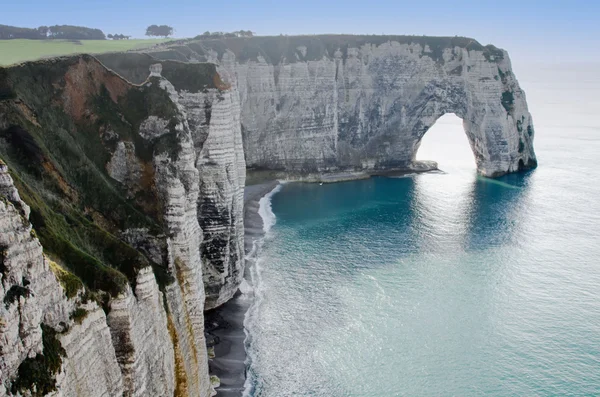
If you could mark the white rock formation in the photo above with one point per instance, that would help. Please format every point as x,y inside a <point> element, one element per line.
<point>363,103</point>
<point>212,118</point>
<point>370,109</point>
<point>140,334</point>
<point>124,166</point>
<point>152,341</point>
<point>90,366</point>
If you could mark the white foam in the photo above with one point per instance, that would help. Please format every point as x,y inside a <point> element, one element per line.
<point>245,288</point>
<point>269,219</point>
<point>265,209</point>
<point>407,175</point>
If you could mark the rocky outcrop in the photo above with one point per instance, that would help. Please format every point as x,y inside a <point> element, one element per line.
<point>213,119</point>
<point>78,360</point>
<point>139,330</point>
<point>135,194</point>
<point>363,103</point>
<point>89,365</point>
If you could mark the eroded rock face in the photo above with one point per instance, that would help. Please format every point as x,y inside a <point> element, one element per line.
<point>363,103</point>
<point>371,110</point>
<point>32,297</point>
<point>138,326</point>
<point>213,120</point>
<point>121,189</point>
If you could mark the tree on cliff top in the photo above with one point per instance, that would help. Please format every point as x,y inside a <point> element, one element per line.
<point>70,32</point>
<point>218,35</point>
<point>244,33</point>
<point>65,32</point>
<point>162,30</point>
<point>118,37</point>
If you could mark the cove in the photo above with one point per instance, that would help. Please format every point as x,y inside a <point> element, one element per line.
<point>435,284</point>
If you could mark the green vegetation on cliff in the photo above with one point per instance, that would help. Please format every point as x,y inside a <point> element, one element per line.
<point>277,49</point>
<point>193,77</point>
<point>21,50</point>
<point>70,282</point>
<point>37,375</point>
<point>60,122</point>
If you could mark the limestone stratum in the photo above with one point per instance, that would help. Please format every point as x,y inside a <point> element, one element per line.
<point>122,183</point>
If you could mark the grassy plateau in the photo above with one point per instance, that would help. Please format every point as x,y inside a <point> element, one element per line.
<point>20,50</point>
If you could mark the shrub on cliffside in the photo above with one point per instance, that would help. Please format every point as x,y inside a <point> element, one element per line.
<point>37,374</point>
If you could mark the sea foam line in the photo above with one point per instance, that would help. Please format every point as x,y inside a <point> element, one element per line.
<point>269,219</point>
<point>265,209</point>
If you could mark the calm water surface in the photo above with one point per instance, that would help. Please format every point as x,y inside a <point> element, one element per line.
<point>442,284</point>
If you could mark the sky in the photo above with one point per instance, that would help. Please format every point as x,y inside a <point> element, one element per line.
<point>549,31</point>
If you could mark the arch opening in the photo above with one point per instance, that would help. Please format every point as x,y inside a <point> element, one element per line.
<point>446,143</point>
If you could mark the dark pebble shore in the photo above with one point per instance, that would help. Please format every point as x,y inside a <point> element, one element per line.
<point>224,326</point>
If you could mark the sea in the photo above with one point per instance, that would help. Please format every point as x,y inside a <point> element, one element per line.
<point>441,284</point>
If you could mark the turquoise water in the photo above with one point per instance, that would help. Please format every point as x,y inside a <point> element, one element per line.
<point>441,284</point>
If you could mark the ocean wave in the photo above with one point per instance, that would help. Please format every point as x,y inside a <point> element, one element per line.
<point>265,209</point>
<point>257,290</point>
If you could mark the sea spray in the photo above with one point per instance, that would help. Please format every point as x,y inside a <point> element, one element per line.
<point>254,262</point>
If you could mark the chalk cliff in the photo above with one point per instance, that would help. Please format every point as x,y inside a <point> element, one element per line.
<point>135,194</point>
<point>363,103</point>
<point>122,180</point>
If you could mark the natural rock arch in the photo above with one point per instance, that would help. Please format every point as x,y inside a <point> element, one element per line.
<point>499,131</point>
<point>367,109</point>
<point>447,144</point>
<point>328,103</point>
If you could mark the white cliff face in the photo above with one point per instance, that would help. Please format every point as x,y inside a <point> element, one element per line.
<point>151,341</point>
<point>370,109</point>
<point>21,261</point>
<point>365,103</point>
<point>33,297</point>
<point>132,357</point>
<point>90,367</point>
<point>138,325</point>
<point>178,187</point>
<point>213,121</point>
<point>220,163</point>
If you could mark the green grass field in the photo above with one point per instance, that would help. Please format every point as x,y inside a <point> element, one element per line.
<point>15,51</point>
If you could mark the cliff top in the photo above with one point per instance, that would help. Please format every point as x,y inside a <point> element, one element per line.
<point>60,121</point>
<point>277,48</point>
<point>190,76</point>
